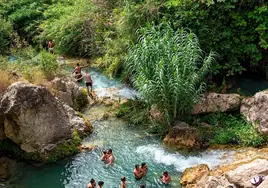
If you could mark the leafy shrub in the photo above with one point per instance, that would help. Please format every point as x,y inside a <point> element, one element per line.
<point>6,35</point>
<point>233,129</point>
<point>167,68</point>
<point>70,24</point>
<point>25,15</point>
<point>237,30</point>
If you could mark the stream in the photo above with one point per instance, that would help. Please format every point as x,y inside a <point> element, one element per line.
<point>131,145</point>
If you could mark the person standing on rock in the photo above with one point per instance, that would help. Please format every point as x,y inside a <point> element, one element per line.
<point>88,82</point>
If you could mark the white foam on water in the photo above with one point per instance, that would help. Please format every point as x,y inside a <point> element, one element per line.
<point>181,162</point>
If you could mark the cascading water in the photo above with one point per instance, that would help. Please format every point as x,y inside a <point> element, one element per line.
<point>130,144</point>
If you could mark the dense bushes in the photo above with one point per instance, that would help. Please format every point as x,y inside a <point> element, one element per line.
<point>231,129</point>
<point>6,35</point>
<point>25,15</point>
<point>235,29</point>
<point>168,67</point>
<point>70,25</point>
<point>36,67</point>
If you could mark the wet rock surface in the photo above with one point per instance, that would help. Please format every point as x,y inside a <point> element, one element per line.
<point>183,136</point>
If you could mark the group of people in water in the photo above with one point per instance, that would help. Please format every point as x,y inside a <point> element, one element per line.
<point>139,172</point>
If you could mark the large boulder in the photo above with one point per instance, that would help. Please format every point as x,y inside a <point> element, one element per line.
<point>68,92</point>
<point>214,102</point>
<point>35,120</point>
<point>241,175</point>
<point>182,136</point>
<point>194,174</point>
<point>255,109</point>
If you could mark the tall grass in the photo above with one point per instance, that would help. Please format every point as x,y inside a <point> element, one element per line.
<point>168,68</point>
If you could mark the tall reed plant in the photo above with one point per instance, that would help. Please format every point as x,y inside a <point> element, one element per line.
<point>168,69</point>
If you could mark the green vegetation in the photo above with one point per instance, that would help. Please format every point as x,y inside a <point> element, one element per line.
<point>168,68</point>
<point>36,67</point>
<point>6,35</point>
<point>132,39</point>
<point>230,129</point>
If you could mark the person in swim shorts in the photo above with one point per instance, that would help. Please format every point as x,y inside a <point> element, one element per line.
<point>50,46</point>
<point>88,82</point>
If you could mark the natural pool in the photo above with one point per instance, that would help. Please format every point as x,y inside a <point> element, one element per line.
<point>131,145</point>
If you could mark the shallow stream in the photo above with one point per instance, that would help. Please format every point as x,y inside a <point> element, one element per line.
<point>131,145</point>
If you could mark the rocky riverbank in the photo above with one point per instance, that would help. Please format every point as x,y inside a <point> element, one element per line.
<point>247,164</point>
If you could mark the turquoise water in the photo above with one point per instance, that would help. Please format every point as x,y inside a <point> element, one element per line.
<point>106,87</point>
<point>131,145</point>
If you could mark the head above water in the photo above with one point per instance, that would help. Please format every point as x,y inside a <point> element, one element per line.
<point>143,164</point>
<point>165,173</point>
<point>104,151</point>
<point>86,71</point>
<point>123,179</point>
<point>92,181</point>
<point>137,166</point>
<point>78,64</point>
<point>100,183</point>
<point>110,151</point>
<point>142,186</point>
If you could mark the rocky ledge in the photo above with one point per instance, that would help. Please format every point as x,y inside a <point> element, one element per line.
<point>245,166</point>
<point>37,122</point>
<point>215,102</point>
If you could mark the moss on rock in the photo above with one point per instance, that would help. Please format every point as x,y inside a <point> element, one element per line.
<point>80,100</point>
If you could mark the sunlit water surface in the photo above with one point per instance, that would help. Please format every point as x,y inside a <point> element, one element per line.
<point>131,146</point>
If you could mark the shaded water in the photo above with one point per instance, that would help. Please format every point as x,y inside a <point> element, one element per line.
<point>131,146</point>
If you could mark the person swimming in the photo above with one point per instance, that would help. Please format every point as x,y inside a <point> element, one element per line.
<point>165,178</point>
<point>110,158</point>
<point>92,184</point>
<point>101,184</point>
<point>144,168</point>
<point>137,172</point>
<point>104,155</point>
<point>123,183</point>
